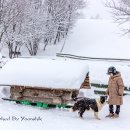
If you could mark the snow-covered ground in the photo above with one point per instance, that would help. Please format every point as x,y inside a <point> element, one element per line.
<point>59,119</point>
<point>95,38</point>
<point>98,38</point>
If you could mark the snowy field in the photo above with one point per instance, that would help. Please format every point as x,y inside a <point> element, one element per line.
<point>98,38</point>
<point>59,119</point>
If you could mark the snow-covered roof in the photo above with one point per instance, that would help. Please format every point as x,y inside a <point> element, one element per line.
<point>98,38</point>
<point>44,73</point>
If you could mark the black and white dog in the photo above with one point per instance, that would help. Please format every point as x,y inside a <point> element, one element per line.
<point>84,103</point>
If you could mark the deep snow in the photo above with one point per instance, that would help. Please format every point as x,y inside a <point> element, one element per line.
<point>51,73</point>
<point>59,119</point>
<point>98,38</point>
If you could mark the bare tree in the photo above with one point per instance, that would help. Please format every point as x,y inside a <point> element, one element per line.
<point>121,11</point>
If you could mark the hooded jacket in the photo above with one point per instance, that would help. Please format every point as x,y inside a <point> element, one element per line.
<point>115,90</point>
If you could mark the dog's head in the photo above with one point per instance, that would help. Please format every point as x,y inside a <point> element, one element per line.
<point>103,99</point>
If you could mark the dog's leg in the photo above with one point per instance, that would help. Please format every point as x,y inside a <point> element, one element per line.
<point>81,111</point>
<point>71,110</point>
<point>96,115</point>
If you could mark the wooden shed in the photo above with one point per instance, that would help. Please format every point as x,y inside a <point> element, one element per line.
<point>51,81</point>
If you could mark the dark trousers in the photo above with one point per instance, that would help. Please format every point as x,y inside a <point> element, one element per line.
<point>117,109</point>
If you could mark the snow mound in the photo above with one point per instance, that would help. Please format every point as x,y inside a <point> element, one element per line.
<point>44,73</point>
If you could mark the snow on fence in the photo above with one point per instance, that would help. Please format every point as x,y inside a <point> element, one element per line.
<point>91,58</point>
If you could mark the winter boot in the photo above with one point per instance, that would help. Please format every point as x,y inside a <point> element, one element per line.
<point>110,115</point>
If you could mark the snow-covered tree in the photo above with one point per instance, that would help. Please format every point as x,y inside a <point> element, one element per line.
<point>26,23</point>
<point>11,18</point>
<point>60,18</point>
<point>121,11</point>
<point>22,25</point>
<point>33,27</point>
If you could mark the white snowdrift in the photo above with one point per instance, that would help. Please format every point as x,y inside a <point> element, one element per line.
<point>44,73</point>
<point>98,38</point>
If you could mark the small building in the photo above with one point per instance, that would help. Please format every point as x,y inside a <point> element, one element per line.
<point>51,81</point>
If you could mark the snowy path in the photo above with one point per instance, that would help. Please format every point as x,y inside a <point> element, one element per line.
<point>54,119</point>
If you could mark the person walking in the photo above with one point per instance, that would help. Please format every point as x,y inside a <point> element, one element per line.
<point>114,91</point>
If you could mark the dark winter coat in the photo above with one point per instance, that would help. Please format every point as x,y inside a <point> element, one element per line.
<point>115,90</point>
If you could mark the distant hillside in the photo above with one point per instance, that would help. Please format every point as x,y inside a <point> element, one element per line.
<point>98,38</point>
